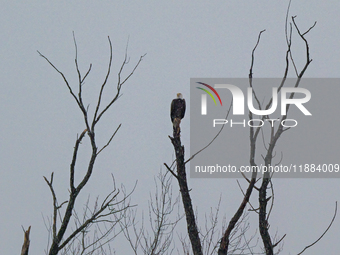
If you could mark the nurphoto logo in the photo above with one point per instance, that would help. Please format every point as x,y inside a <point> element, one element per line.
<point>236,122</point>
<point>238,103</point>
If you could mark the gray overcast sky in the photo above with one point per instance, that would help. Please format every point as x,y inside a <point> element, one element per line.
<point>182,39</point>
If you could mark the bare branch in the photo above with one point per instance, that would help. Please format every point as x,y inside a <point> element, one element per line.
<point>169,169</point>
<point>308,60</point>
<point>330,224</point>
<point>78,71</point>
<point>252,54</point>
<point>274,245</point>
<point>119,86</point>
<point>55,206</point>
<point>239,185</point>
<point>74,159</point>
<point>65,80</point>
<point>223,250</point>
<point>108,143</point>
<point>107,203</point>
<point>272,198</point>
<point>251,68</point>
<point>289,43</point>
<point>103,85</point>
<point>218,133</point>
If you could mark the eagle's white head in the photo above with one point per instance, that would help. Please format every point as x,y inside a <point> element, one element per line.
<point>179,95</point>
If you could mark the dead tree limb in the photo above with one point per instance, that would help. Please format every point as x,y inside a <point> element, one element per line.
<point>186,199</point>
<point>26,245</point>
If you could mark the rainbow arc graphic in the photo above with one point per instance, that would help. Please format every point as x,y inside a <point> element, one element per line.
<point>204,97</point>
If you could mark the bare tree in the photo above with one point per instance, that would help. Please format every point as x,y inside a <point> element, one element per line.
<point>274,136</point>
<point>263,212</point>
<point>154,236</point>
<point>105,212</point>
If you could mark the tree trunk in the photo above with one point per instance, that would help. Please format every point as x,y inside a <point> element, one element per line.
<point>182,181</point>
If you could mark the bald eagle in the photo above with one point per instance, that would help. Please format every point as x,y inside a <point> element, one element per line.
<point>177,112</point>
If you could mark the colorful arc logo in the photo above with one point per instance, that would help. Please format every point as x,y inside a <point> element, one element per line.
<point>204,97</point>
<point>209,93</point>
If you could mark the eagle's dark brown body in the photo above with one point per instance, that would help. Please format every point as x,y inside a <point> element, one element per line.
<point>177,112</point>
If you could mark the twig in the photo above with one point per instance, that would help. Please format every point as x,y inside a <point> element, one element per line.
<point>110,139</point>
<point>172,172</point>
<point>330,224</point>
<point>212,139</point>
<point>279,241</point>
